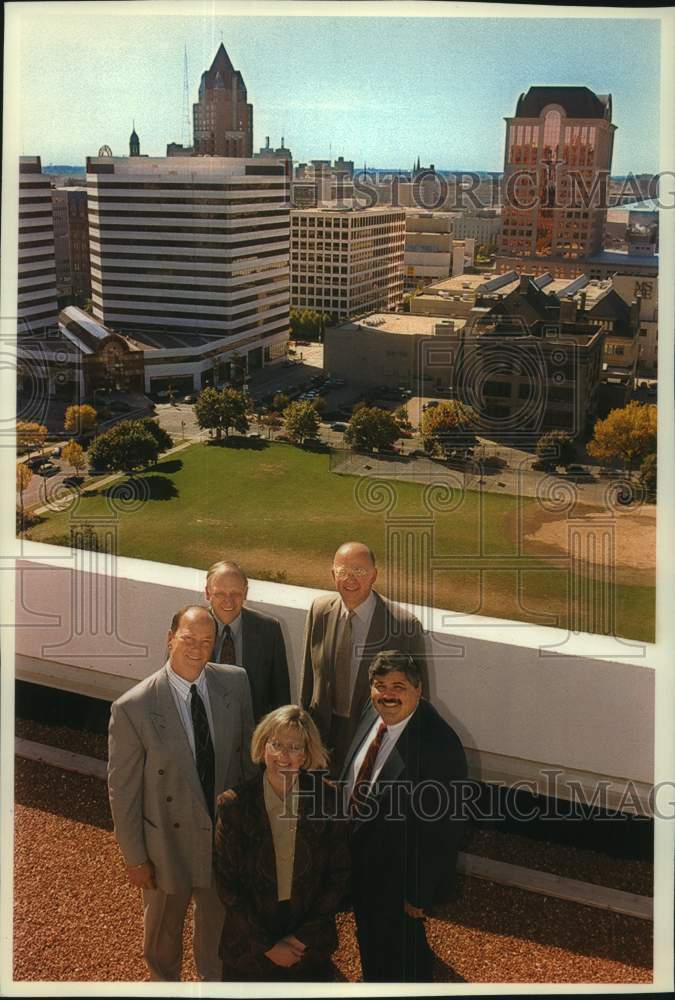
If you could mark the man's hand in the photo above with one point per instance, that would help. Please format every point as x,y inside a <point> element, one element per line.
<point>413,911</point>
<point>295,943</point>
<point>142,876</point>
<point>282,953</point>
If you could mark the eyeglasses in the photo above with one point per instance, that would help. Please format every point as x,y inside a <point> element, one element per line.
<point>290,748</point>
<point>342,573</point>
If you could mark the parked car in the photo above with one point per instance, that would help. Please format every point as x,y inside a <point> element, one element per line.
<point>578,472</point>
<point>430,405</point>
<point>190,398</point>
<point>72,480</point>
<point>56,453</point>
<point>35,463</point>
<point>47,469</point>
<point>338,426</point>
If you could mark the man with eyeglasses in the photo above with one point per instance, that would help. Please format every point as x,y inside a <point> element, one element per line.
<point>176,741</point>
<point>344,632</point>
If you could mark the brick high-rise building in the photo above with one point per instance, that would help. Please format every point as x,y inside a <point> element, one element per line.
<point>556,177</point>
<point>71,242</point>
<point>223,119</point>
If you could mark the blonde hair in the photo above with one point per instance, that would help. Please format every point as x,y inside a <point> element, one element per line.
<point>294,717</point>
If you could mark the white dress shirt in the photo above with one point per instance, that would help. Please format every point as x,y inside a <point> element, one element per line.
<point>180,689</point>
<point>388,743</point>
<point>237,639</point>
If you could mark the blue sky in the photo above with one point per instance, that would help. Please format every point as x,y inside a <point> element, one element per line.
<point>379,90</point>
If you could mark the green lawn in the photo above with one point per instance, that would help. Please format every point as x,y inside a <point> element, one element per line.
<point>281,512</point>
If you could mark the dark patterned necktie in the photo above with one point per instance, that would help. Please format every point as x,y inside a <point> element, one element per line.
<point>227,648</point>
<point>205,758</point>
<point>363,778</point>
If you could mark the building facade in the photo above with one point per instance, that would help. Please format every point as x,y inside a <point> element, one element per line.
<point>36,301</point>
<point>189,252</point>
<point>431,253</point>
<point>557,162</point>
<point>71,242</point>
<point>222,117</point>
<point>347,261</point>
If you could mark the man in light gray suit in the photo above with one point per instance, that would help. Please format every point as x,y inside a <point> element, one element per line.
<point>177,740</point>
<point>344,631</point>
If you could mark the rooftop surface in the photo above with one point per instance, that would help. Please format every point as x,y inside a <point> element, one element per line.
<point>76,918</point>
<point>401,323</point>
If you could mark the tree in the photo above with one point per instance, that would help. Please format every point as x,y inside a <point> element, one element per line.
<point>448,427</point>
<point>269,421</point>
<point>30,436</point>
<point>80,419</point>
<point>162,437</point>
<point>402,419</point>
<point>648,473</point>
<point>308,324</point>
<point>556,448</point>
<point>301,422</point>
<point>73,454</point>
<point>221,409</point>
<point>370,428</point>
<point>127,445</point>
<point>23,478</point>
<point>628,434</point>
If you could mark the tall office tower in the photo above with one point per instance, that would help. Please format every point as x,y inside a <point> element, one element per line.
<point>223,120</point>
<point>557,163</point>
<point>71,241</point>
<point>346,261</point>
<point>36,305</point>
<point>185,250</point>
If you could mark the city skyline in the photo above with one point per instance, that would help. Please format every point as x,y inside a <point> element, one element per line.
<point>328,85</point>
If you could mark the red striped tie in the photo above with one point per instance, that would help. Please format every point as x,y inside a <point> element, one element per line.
<point>362,783</point>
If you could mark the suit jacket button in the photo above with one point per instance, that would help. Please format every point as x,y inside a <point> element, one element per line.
<point>176,825</point>
<point>160,771</point>
<point>169,798</point>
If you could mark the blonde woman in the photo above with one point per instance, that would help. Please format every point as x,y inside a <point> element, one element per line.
<point>281,858</point>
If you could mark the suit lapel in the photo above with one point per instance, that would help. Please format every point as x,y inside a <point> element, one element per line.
<point>170,729</point>
<point>250,640</point>
<point>374,641</point>
<point>223,724</point>
<point>331,617</point>
<point>364,725</point>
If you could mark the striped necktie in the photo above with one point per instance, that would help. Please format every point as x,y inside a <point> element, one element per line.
<point>363,778</point>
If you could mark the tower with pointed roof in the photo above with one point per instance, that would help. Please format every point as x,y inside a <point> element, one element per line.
<point>223,118</point>
<point>134,143</point>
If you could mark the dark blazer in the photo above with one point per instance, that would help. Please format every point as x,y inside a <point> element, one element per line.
<point>246,875</point>
<point>264,656</point>
<point>413,858</point>
<point>391,627</point>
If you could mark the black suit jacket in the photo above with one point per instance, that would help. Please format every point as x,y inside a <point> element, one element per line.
<point>410,858</point>
<point>264,656</point>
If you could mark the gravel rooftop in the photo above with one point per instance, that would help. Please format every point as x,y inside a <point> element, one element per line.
<point>76,917</point>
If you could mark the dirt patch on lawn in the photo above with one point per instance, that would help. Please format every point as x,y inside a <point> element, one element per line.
<point>593,536</point>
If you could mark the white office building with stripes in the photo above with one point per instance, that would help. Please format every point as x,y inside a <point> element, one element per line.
<point>190,258</point>
<point>37,310</point>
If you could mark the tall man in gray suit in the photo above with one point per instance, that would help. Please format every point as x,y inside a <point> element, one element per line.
<point>248,638</point>
<point>177,740</point>
<point>344,631</point>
